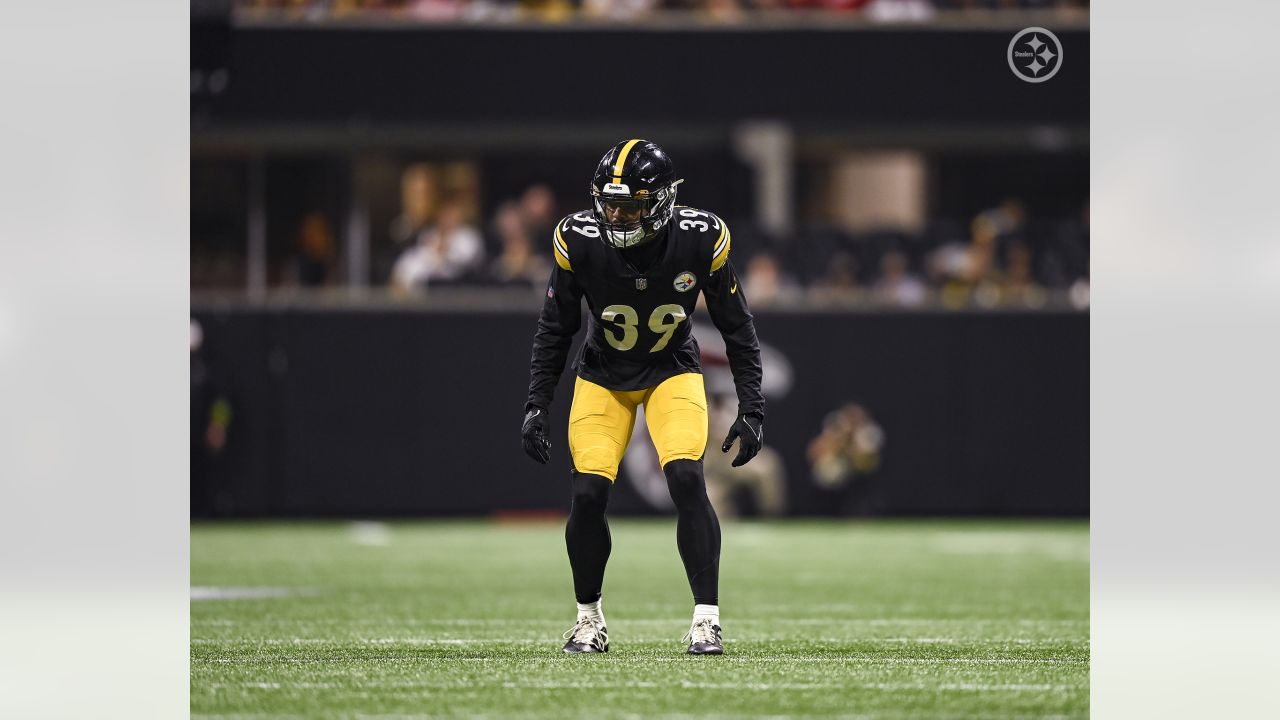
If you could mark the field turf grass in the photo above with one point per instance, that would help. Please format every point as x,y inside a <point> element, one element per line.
<point>902,619</point>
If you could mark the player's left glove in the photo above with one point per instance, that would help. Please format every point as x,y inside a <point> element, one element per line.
<point>534,435</point>
<point>749,431</point>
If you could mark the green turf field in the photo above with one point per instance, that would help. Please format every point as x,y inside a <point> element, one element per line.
<point>447,619</point>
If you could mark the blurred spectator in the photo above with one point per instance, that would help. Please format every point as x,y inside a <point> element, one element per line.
<point>839,283</point>
<point>900,10</point>
<point>438,10</point>
<point>1079,294</point>
<point>1068,256</point>
<point>998,222</point>
<point>618,9</point>
<point>448,251</point>
<point>970,272</point>
<point>348,7</point>
<point>723,11</point>
<point>951,269</point>
<point>766,283</point>
<point>317,252</point>
<point>844,459</point>
<point>897,286</point>
<point>546,10</point>
<point>834,5</point>
<point>538,212</point>
<point>1020,287</point>
<point>419,190</point>
<point>560,10</point>
<point>1003,256</point>
<point>460,181</point>
<point>1079,291</point>
<point>759,487</point>
<point>517,262</point>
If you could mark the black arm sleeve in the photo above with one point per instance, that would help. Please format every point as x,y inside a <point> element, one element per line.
<point>727,305</point>
<point>561,317</point>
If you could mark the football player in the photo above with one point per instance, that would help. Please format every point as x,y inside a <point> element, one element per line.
<point>640,261</point>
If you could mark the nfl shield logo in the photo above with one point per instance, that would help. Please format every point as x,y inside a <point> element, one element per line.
<point>642,283</point>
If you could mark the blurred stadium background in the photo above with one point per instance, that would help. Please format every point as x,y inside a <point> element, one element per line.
<point>373,185</point>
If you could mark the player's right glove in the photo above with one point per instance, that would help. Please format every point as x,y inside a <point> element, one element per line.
<point>534,434</point>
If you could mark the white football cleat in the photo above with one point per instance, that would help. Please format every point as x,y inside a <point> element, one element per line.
<point>587,636</point>
<point>704,638</point>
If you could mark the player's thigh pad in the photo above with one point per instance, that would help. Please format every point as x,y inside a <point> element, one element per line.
<point>600,423</point>
<point>676,414</point>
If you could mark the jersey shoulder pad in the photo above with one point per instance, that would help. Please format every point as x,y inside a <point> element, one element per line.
<point>571,233</point>
<point>711,233</point>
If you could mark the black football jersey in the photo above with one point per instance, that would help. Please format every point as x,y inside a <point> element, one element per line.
<point>640,302</point>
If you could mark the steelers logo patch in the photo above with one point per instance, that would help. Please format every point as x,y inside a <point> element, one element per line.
<point>685,281</point>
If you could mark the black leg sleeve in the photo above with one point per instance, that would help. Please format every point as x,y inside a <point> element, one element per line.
<point>587,535</point>
<point>697,529</point>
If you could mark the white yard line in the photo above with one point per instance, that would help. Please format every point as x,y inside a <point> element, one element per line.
<point>756,620</point>
<point>373,534</point>
<point>643,685</point>
<point>276,686</point>
<point>888,661</point>
<point>246,593</point>
<point>629,640</point>
<point>360,641</point>
<point>730,659</point>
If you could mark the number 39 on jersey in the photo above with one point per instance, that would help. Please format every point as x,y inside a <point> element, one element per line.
<point>621,321</point>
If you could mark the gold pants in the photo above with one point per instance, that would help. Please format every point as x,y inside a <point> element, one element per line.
<point>601,421</point>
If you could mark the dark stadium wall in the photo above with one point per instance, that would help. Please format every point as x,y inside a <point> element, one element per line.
<point>409,412</point>
<point>817,79</point>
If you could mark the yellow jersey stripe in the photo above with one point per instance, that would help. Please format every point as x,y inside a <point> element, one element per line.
<point>724,235</point>
<point>622,159</point>
<point>722,250</point>
<point>561,252</point>
<point>558,241</point>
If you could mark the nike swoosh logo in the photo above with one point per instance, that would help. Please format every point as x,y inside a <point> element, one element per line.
<point>733,289</point>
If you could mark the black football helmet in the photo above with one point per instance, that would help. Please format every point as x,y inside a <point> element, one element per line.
<point>633,193</point>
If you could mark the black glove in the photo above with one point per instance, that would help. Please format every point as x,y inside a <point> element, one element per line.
<point>534,433</point>
<point>749,431</point>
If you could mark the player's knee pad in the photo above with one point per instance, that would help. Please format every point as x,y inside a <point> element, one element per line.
<point>590,493</point>
<point>678,426</point>
<point>596,446</point>
<point>688,445</point>
<point>599,461</point>
<point>686,483</point>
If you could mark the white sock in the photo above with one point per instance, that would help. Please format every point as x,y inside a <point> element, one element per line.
<point>591,610</point>
<point>707,611</point>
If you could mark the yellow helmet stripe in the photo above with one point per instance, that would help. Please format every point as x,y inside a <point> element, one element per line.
<point>622,159</point>
<point>561,251</point>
